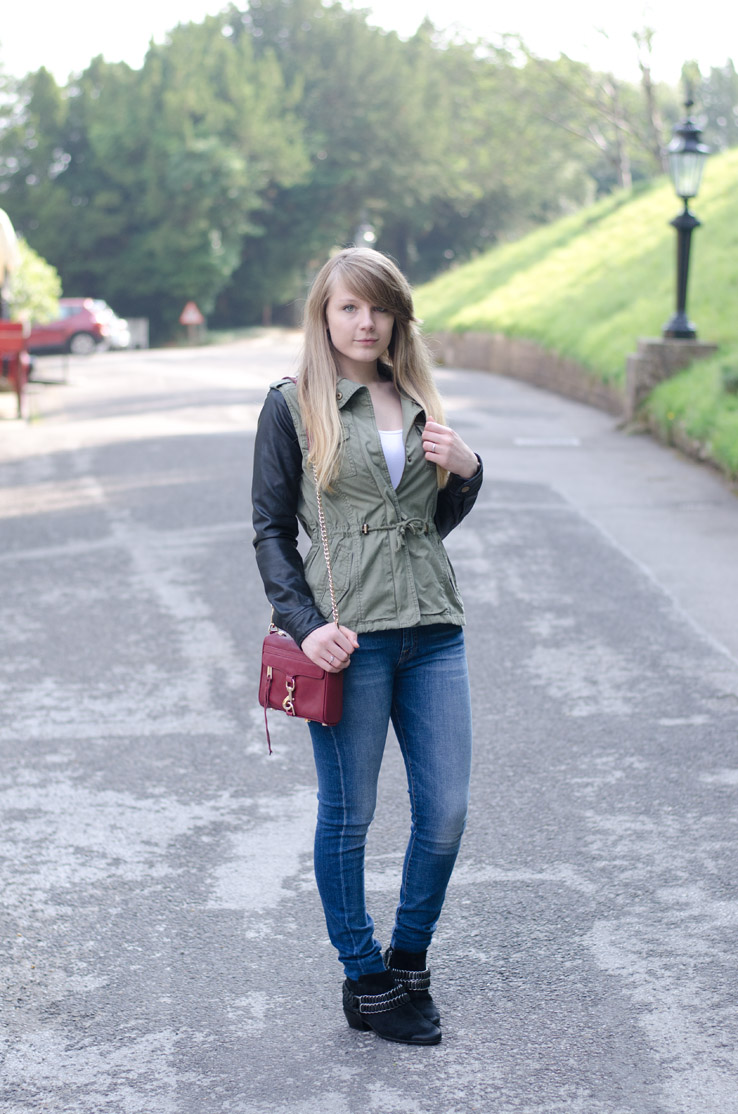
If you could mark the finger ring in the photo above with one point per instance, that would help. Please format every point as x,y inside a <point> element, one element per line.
<point>432,448</point>
<point>331,660</point>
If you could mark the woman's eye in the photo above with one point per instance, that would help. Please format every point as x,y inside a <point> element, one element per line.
<point>349,308</point>
<point>381,309</point>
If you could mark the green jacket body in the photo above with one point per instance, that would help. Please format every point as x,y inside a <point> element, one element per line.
<point>390,567</point>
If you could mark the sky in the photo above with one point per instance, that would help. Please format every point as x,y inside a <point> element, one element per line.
<point>64,37</point>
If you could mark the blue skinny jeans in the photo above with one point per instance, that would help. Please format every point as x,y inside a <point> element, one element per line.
<point>417,678</point>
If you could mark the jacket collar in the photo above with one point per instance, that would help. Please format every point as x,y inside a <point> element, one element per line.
<point>347,388</point>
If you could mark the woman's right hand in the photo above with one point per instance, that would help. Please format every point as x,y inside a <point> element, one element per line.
<point>330,647</point>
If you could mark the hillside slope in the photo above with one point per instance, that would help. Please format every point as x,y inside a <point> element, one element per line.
<point>591,284</point>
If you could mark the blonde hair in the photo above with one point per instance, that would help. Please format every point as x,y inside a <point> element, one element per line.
<point>374,278</point>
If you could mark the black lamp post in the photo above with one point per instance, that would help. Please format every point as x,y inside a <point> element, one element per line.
<point>686,162</point>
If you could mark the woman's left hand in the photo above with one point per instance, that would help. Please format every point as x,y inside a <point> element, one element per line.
<point>444,447</point>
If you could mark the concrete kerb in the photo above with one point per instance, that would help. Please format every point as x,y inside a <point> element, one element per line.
<point>526,360</point>
<point>656,359</point>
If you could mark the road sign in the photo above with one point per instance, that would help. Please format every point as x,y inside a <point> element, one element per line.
<point>191,315</point>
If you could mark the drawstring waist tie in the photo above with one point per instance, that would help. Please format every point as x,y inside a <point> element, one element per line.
<point>415,526</point>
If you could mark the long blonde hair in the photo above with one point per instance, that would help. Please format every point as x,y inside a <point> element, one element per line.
<point>374,278</point>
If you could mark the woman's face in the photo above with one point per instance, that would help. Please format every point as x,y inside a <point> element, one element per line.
<point>359,331</point>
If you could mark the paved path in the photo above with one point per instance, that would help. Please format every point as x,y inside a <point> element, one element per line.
<point>162,946</point>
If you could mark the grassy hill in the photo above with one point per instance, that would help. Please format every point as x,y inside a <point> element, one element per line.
<point>591,284</point>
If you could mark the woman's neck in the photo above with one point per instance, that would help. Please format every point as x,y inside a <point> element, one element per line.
<point>359,372</point>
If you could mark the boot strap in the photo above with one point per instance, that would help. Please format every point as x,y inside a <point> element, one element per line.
<point>382,1003</point>
<point>413,980</point>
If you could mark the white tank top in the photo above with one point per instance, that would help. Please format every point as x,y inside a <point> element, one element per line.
<point>393,448</point>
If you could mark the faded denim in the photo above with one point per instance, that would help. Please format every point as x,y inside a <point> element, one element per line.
<point>417,676</point>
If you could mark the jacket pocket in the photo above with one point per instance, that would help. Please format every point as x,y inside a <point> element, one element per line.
<point>436,578</point>
<point>316,573</point>
<point>347,462</point>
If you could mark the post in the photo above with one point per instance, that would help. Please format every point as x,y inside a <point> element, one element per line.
<point>679,326</point>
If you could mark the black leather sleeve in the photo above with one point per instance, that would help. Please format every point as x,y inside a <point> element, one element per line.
<point>274,495</point>
<point>456,499</point>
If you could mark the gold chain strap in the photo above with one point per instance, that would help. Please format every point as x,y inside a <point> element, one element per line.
<point>326,551</point>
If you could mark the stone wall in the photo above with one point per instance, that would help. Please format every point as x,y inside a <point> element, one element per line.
<point>523,359</point>
<point>657,359</point>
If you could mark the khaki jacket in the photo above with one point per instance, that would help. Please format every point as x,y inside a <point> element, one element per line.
<point>390,568</point>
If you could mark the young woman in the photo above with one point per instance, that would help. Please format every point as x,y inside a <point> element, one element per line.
<point>365,416</point>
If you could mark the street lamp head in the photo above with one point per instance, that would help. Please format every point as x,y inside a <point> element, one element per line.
<point>366,235</point>
<point>687,157</point>
<point>686,162</point>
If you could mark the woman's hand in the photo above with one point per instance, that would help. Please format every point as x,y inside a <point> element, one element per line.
<point>330,647</point>
<point>443,446</point>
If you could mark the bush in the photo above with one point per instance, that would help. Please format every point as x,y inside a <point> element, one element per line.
<point>35,288</point>
<point>702,402</point>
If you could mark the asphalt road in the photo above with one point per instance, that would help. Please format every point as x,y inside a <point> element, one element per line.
<point>163,949</point>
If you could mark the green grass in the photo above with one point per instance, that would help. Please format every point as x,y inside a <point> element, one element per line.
<point>591,284</point>
<point>702,402</point>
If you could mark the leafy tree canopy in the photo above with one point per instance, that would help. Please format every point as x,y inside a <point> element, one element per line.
<point>250,144</point>
<point>35,288</point>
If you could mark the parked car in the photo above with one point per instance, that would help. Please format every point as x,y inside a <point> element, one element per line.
<point>119,333</point>
<point>84,324</point>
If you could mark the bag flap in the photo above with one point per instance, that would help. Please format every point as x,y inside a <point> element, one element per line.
<point>284,654</point>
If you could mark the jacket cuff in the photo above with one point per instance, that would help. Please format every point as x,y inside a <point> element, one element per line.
<point>460,484</point>
<point>300,626</point>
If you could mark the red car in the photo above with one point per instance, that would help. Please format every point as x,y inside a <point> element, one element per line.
<point>83,324</point>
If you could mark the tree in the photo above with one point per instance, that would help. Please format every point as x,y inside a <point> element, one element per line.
<point>717,95</point>
<point>654,131</point>
<point>362,123</point>
<point>612,118</point>
<point>499,173</point>
<point>35,288</point>
<point>442,145</point>
<point>249,145</point>
<point>33,158</point>
<point>162,170</point>
<point>413,138</point>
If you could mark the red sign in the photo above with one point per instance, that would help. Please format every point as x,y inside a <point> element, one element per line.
<point>191,315</point>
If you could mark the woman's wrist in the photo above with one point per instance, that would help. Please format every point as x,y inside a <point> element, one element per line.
<point>468,469</point>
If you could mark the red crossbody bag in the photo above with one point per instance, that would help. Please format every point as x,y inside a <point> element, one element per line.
<point>290,682</point>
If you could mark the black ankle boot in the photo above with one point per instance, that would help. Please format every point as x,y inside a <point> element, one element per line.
<point>380,1003</point>
<point>409,969</point>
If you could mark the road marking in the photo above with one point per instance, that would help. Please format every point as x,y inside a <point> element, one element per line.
<point>547,442</point>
